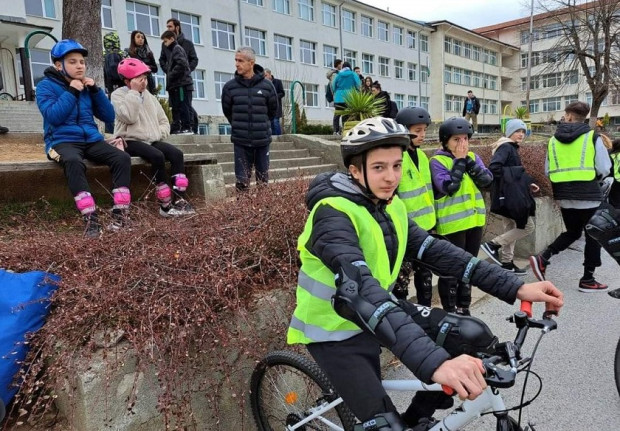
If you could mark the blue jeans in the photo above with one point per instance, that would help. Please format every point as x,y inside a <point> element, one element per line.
<point>246,158</point>
<point>275,126</point>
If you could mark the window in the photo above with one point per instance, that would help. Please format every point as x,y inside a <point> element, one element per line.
<point>367,24</point>
<point>467,50</point>
<point>350,56</point>
<point>190,25</point>
<point>398,69</point>
<point>400,100</point>
<point>329,14</point>
<point>456,75</point>
<point>447,45</point>
<point>412,71</point>
<point>424,73</point>
<point>367,64</point>
<point>256,39</point>
<point>312,95</point>
<point>571,77</point>
<point>383,31</point>
<point>198,76</point>
<point>106,14</point>
<point>348,21</point>
<point>492,58</point>
<point>160,81</point>
<point>424,102</point>
<point>44,8</point>
<point>551,80</point>
<point>453,103</point>
<point>39,61</point>
<point>475,52</point>
<point>488,106</point>
<point>410,39</point>
<point>397,35</point>
<point>457,47</point>
<point>224,129</point>
<point>534,106</point>
<point>142,17</point>
<point>306,10</point>
<point>423,43</point>
<point>551,104</point>
<point>476,79</point>
<point>467,77</point>
<point>447,74</point>
<point>221,78</point>
<point>254,2</point>
<point>329,55</point>
<point>412,101</point>
<point>283,47</point>
<point>534,83</point>
<point>491,82</point>
<point>570,99</point>
<point>203,129</point>
<point>307,52</point>
<point>282,6</point>
<point>384,66</point>
<point>223,34</point>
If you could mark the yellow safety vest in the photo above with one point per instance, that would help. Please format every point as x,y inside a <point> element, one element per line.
<point>416,190</point>
<point>616,159</point>
<point>464,209</point>
<point>314,319</point>
<point>573,161</point>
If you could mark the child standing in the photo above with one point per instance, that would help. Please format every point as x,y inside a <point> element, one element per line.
<point>511,197</point>
<point>416,192</point>
<point>178,79</point>
<point>68,99</point>
<point>458,174</point>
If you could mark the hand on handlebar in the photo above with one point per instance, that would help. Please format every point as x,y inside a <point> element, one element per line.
<point>542,291</point>
<point>463,374</point>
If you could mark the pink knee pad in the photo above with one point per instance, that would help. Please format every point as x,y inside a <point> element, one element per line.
<point>122,198</point>
<point>163,193</point>
<point>180,182</point>
<point>85,203</point>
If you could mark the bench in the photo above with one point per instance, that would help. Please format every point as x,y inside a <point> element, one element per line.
<point>30,180</point>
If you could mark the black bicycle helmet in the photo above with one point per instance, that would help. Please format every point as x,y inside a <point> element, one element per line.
<point>454,126</point>
<point>411,116</point>
<point>372,133</point>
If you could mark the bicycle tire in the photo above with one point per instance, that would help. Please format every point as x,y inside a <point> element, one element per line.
<point>285,386</point>
<point>6,96</point>
<point>617,367</point>
<point>510,425</point>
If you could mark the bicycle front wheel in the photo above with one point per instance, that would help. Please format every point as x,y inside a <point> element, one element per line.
<point>287,387</point>
<point>617,367</point>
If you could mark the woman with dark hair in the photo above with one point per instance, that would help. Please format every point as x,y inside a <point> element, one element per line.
<point>367,85</point>
<point>139,48</point>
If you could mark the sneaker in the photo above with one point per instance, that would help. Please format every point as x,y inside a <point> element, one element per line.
<point>591,286</point>
<point>180,208</point>
<point>492,250</point>
<point>93,227</point>
<point>539,266</point>
<point>510,266</point>
<point>119,221</point>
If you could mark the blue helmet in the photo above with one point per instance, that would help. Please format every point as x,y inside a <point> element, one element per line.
<point>66,46</point>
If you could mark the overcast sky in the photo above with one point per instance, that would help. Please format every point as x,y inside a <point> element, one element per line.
<point>466,13</point>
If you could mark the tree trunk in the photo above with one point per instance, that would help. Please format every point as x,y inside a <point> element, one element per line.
<point>81,20</point>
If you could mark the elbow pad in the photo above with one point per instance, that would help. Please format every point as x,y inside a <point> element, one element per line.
<point>349,304</point>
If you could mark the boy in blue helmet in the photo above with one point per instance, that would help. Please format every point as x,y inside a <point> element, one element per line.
<point>68,100</point>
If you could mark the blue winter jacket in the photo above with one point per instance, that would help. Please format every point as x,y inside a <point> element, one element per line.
<point>68,113</point>
<point>345,81</point>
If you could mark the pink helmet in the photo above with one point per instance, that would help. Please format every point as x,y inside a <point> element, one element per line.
<point>129,68</point>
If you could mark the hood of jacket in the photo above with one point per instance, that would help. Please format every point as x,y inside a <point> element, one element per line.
<point>259,75</point>
<point>501,141</point>
<point>337,184</point>
<point>568,132</point>
<point>52,73</point>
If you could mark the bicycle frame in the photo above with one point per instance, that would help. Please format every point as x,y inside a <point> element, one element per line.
<point>466,413</point>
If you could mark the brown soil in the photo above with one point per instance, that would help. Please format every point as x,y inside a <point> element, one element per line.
<point>17,147</point>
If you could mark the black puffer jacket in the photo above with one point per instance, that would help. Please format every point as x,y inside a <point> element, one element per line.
<point>176,68</point>
<point>334,241</point>
<point>249,105</point>
<point>188,47</point>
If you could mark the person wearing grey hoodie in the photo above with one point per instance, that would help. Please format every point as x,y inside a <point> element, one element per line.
<point>511,196</point>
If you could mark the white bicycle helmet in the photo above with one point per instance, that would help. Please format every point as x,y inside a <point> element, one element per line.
<point>372,133</point>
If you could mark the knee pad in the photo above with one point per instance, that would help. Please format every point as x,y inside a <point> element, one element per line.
<point>122,198</point>
<point>604,227</point>
<point>390,421</point>
<point>163,193</point>
<point>85,203</point>
<point>180,182</point>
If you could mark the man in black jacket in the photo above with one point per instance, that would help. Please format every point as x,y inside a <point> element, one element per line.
<point>276,128</point>
<point>471,107</point>
<point>178,84</point>
<point>249,102</point>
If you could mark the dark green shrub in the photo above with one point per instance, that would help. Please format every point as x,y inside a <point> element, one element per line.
<point>315,129</point>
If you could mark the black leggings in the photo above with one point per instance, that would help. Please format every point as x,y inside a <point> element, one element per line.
<point>575,221</point>
<point>156,154</point>
<point>71,156</point>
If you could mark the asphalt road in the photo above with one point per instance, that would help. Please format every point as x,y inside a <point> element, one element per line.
<point>575,361</point>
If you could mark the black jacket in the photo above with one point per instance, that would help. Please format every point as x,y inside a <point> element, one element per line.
<point>277,84</point>
<point>476,106</point>
<point>249,105</point>
<point>510,191</point>
<point>387,104</point>
<point>176,67</point>
<point>334,240</point>
<point>188,47</point>
<point>578,190</point>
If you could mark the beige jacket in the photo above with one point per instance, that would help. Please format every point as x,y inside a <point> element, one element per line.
<point>139,116</point>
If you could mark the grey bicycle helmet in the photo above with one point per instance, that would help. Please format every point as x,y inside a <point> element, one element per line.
<point>411,116</point>
<point>372,133</point>
<point>454,126</point>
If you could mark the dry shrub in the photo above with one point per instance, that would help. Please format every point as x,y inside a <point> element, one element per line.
<point>168,285</point>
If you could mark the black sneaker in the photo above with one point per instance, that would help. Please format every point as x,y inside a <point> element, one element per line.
<point>93,227</point>
<point>539,266</point>
<point>492,250</point>
<point>510,266</point>
<point>591,285</point>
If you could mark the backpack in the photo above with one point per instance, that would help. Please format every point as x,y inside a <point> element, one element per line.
<point>329,94</point>
<point>110,70</point>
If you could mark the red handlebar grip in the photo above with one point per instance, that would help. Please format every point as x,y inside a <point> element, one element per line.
<point>448,390</point>
<point>526,307</point>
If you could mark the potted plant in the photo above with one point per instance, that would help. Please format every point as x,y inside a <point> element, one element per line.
<point>359,106</point>
<point>522,113</point>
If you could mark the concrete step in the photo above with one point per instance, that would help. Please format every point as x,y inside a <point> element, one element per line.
<point>223,157</point>
<point>231,192</point>
<point>206,146</point>
<point>20,117</point>
<point>295,172</point>
<point>278,163</point>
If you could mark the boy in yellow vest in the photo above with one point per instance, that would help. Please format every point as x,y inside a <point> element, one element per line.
<point>352,247</point>
<point>458,174</point>
<point>416,192</point>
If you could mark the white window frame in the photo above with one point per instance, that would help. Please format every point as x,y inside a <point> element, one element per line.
<point>257,39</point>
<point>368,64</point>
<point>132,22</point>
<point>219,80</point>
<point>227,30</point>
<point>330,54</point>
<point>411,39</point>
<point>412,71</point>
<point>255,2</point>
<point>423,43</point>
<point>384,66</point>
<point>350,56</point>
<point>285,43</point>
<point>48,8</point>
<point>348,20</point>
<point>425,102</point>
<point>307,50</point>
<point>399,67</point>
<point>160,80</point>
<point>107,8</point>
<point>282,6</point>
<point>312,95</point>
<point>367,26</point>
<point>200,84</point>
<point>191,28</point>
<point>412,100</point>
<point>400,100</point>
<point>383,31</point>
<point>328,12</point>
<point>306,10</point>
<point>397,35</point>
